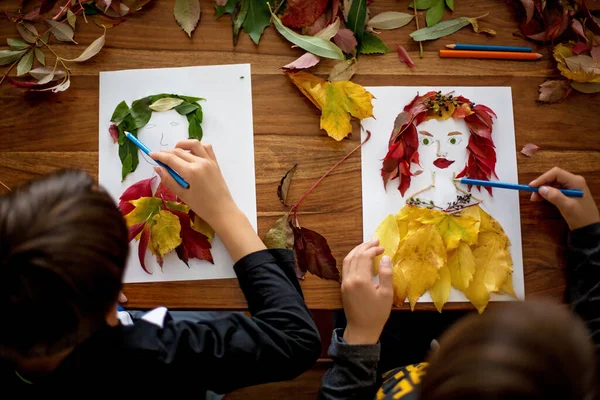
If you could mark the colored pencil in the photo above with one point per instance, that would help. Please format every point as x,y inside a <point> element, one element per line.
<point>513,186</point>
<point>146,150</point>
<point>485,47</point>
<point>500,55</point>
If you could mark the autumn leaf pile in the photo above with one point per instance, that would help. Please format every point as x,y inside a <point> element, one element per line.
<point>433,251</point>
<point>40,22</point>
<point>163,223</point>
<point>404,140</point>
<point>132,119</point>
<point>571,30</point>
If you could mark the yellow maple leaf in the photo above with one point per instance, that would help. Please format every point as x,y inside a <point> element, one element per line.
<point>165,232</point>
<point>338,102</point>
<point>441,289</point>
<point>145,208</point>
<point>508,287</point>
<point>421,255</point>
<point>199,225</point>
<point>492,269</point>
<point>487,223</point>
<point>452,228</point>
<point>389,238</point>
<point>400,286</point>
<point>564,51</point>
<point>461,265</point>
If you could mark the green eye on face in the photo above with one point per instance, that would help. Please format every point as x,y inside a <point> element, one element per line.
<point>426,141</point>
<point>454,140</point>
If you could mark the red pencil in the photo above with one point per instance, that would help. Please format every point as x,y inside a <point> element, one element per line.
<point>500,55</point>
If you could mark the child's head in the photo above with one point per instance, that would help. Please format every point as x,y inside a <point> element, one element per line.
<point>63,247</point>
<point>525,350</point>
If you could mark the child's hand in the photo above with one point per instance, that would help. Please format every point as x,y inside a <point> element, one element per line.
<point>208,194</point>
<point>367,306</point>
<point>578,212</point>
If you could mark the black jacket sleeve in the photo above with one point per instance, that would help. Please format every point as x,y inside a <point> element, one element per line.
<point>278,342</point>
<point>583,277</point>
<point>354,372</point>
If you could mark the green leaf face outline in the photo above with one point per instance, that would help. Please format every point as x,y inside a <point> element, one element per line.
<point>132,119</point>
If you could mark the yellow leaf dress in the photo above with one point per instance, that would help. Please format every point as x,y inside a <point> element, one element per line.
<point>434,250</point>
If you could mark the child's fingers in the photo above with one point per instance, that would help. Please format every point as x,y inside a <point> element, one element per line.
<point>185,155</point>
<point>536,197</point>
<point>560,176</point>
<point>385,276</point>
<point>167,180</point>
<point>210,152</point>
<point>194,146</point>
<point>170,159</point>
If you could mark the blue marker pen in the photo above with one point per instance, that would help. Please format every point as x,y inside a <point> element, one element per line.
<point>146,150</point>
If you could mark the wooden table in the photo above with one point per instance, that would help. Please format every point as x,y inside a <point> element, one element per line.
<point>43,133</point>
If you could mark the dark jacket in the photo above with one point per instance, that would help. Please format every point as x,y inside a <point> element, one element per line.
<point>278,342</point>
<point>354,374</point>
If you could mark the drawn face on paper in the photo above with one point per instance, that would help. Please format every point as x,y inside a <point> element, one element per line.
<point>443,146</point>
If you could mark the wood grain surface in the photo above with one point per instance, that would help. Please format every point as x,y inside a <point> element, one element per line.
<point>41,133</point>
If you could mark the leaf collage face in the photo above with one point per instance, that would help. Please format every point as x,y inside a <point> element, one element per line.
<point>164,224</point>
<point>434,251</point>
<point>132,119</point>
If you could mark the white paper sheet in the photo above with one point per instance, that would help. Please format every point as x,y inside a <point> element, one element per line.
<point>227,126</point>
<point>503,206</point>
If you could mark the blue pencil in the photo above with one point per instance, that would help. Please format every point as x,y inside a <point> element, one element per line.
<point>146,150</point>
<point>513,186</point>
<point>484,47</point>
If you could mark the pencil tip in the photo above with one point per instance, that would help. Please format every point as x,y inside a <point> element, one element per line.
<point>450,46</point>
<point>539,56</point>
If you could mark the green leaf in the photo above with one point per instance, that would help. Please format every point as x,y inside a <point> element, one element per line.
<point>189,98</point>
<point>450,4</point>
<point>27,32</point>
<point>228,8</point>
<point>257,18</point>
<point>390,20</point>
<point>442,29</point>
<point>315,45</point>
<point>357,16</point>
<point>141,113</point>
<point>62,32</point>
<point>174,205</point>
<point>186,108</point>
<point>195,129</point>
<point>10,56</point>
<point>280,236</point>
<point>25,64</point>
<point>165,104</point>
<point>239,19</point>
<point>199,115</point>
<point>120,113</point>
<point>93,49</point>
<point>15,44</point>
<point>128,153</point>
<point>187,14</point>
<point>71,18</point>
<point>371,44</point>
<point>435,13</point>
<point>41,57</point>
<point>422,4</point>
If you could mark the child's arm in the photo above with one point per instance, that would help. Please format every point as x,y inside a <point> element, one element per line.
<point>583,269</point>
<point>280,340</point>
<point>355,350</point>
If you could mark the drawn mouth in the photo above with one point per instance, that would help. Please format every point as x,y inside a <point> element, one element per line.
<point>442,163</point>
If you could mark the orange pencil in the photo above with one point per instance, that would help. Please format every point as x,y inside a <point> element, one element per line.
<point>500,55</point>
